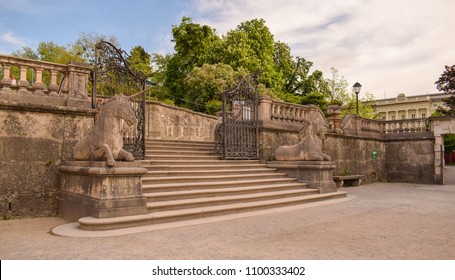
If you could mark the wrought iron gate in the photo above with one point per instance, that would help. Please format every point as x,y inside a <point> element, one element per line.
<point>112,75</point>
<point>238,133</point>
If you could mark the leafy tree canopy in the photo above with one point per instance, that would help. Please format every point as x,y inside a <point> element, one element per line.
<point>446,84</point>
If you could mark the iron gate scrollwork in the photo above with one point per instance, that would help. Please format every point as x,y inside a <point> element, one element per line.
<point>238,133</point>
<point>112,75</point>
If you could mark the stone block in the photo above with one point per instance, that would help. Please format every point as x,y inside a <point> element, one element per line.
<point>93,189</point>
<point>317,174</point>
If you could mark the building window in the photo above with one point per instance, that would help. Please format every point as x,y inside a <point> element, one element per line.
<point>393,118</point>
<point>413,116</point>
<point>423,115</point>
<point>383,118</point>
<point>403,117</point>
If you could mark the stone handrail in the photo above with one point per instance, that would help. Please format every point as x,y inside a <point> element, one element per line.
<point>406,126</point>
<point>67,82</point>
<point>277,111</point>
<point>356,125</point>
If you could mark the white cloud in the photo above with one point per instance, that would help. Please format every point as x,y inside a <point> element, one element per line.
<point>11,42</point>
<point>389,46</point>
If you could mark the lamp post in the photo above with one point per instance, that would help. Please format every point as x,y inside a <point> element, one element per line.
<point>356,88</point>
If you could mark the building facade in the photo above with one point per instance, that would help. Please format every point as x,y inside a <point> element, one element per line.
<point>408,107</point>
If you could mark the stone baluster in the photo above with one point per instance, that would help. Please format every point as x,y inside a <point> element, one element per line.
<point>38,86</point>
<point>23,83</point>
<point>53,87</point>
<point>6,81</point>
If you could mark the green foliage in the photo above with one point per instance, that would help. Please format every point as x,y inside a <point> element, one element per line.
<point>446,83</point>
<point>140,60</point>
<point>249,47</point>
<point>205,84</point>
<point>213,106</point>
<point>449,142</point>
<point>339,88</point>
<point>194,46</point>
<point>365,108</point>
<point>315,98</point>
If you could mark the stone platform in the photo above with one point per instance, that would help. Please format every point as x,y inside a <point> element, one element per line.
<point>93,189</point>
<point>317,174</point>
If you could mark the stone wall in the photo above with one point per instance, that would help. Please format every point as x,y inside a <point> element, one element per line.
<point>354,156</point>
<point>351,154</point>
<point>34,140</point>
<point>411,160</point>
<point>175,123</point>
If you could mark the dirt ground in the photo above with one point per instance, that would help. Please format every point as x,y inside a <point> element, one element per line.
<point>380,221</point>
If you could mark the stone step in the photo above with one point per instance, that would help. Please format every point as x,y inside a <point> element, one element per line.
<point>152,148</point>
<point>203,172</point>
<point>177,151</point>
<point>188,185</point>
<point>220,200</point>
<point>172,143</point>
<point>181,157</point>
<point>169,167</point>
<point>211,178</point>
<point>198,193</point>
<point>154,162</point>
<point>91,223</point>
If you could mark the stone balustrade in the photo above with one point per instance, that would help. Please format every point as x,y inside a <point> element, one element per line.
<point>406,126</point>
<point>277,111</point>
<point>65,85</point>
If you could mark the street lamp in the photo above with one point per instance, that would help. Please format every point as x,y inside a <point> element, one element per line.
<point>356,88</point>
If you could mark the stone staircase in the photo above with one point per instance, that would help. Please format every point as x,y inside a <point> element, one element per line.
<point>186,180</point>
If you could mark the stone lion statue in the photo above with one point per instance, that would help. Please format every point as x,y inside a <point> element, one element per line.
<point>105,141</point>
<point>309,147</point>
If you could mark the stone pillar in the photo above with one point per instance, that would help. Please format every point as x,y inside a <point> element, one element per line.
<point>439,159</point>
<point>265,108</point>
<point>78,75</point>
<point>90,188</point>
<point>334,118</point>
<point>317,174</point>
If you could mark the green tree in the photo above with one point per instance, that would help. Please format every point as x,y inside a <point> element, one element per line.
<point>206,84</point>
<point>338,88</point>
<point>84,46</point>
<point>194,46</point>
<point>446,84</point>
<point>365,108</point>
<point>251,46</point>
<point>449,142</point>
<point>140,60</point>
<point>26,52</point>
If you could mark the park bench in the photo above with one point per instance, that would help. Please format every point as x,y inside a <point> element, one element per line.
<point>348,180</point>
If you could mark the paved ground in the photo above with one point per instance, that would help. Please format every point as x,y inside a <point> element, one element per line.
<point>381,221</point>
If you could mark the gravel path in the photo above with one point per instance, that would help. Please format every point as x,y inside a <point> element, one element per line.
<point>381,221</point>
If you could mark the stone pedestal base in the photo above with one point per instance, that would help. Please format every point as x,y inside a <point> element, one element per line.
<point>93,189</point>
<point>318,174</point>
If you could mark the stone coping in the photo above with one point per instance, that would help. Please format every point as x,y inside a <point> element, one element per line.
<point>99,168</point>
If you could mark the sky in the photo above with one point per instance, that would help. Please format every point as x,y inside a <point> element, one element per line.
<point>388,46</point>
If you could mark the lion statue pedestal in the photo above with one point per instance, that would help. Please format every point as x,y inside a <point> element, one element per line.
<point>305,160</point>
<point>317,174</point>
<point>103,181</point>
<point>94,189</point>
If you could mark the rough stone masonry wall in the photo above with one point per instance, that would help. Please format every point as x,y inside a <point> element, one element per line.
<point>354,156</point>
<point>175,123</point>
<point>34,139</point>
<point>411,161</point>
